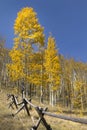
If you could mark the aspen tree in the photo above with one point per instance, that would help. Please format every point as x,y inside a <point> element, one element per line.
<point>52,68</point>
<point>80,88</point>
<point>28,32</point>
<point>79,95</point>
<point>3,60</point>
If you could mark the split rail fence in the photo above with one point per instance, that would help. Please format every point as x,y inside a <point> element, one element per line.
<point>41,112</point>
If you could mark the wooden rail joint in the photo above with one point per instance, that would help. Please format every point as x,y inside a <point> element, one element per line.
<point>41,119</point>
<point>13,102</point>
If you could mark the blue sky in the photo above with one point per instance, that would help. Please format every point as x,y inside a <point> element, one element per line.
<point>65,19</point>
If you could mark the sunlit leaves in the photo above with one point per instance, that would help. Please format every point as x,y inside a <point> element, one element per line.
<point>27,27</point>
<point>52,64</point>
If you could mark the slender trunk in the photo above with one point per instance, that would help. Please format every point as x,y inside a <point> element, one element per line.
<point>18,86</point>
<point>82,106</point>
<point>73,95</point>
<point>55,99</point>
<point>41,88</point>
<point>30,90</point>
<point>41,96</point>
<point>52,99</point>
<point>34,89</point>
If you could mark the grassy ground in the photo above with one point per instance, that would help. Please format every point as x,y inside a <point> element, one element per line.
<point>23,122</point>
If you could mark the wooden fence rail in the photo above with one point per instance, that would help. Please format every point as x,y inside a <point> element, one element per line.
<point>43,111</point>
<point>74,119</point>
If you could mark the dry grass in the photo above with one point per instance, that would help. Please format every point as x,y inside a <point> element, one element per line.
<point>23,122</point>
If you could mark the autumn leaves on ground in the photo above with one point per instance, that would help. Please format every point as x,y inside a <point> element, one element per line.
<point>23,122</point>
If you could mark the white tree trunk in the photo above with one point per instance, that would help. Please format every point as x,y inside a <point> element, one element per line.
<point>52,99</point>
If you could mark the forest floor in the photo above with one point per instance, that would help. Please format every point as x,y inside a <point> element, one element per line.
<point>22,122</point>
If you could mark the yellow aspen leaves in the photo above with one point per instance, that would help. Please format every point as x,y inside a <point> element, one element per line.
<point>51,63</point>
<point>27,27</point>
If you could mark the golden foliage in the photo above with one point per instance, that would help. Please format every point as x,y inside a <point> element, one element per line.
<point>52,65</point>
<point>27,27</point>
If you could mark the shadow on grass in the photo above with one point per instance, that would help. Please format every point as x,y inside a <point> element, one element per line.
<point>7,122</point>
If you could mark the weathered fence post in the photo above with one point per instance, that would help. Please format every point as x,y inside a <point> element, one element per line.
<point>41,119</point>
<point>24,105</point>
<point>13,101</point>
